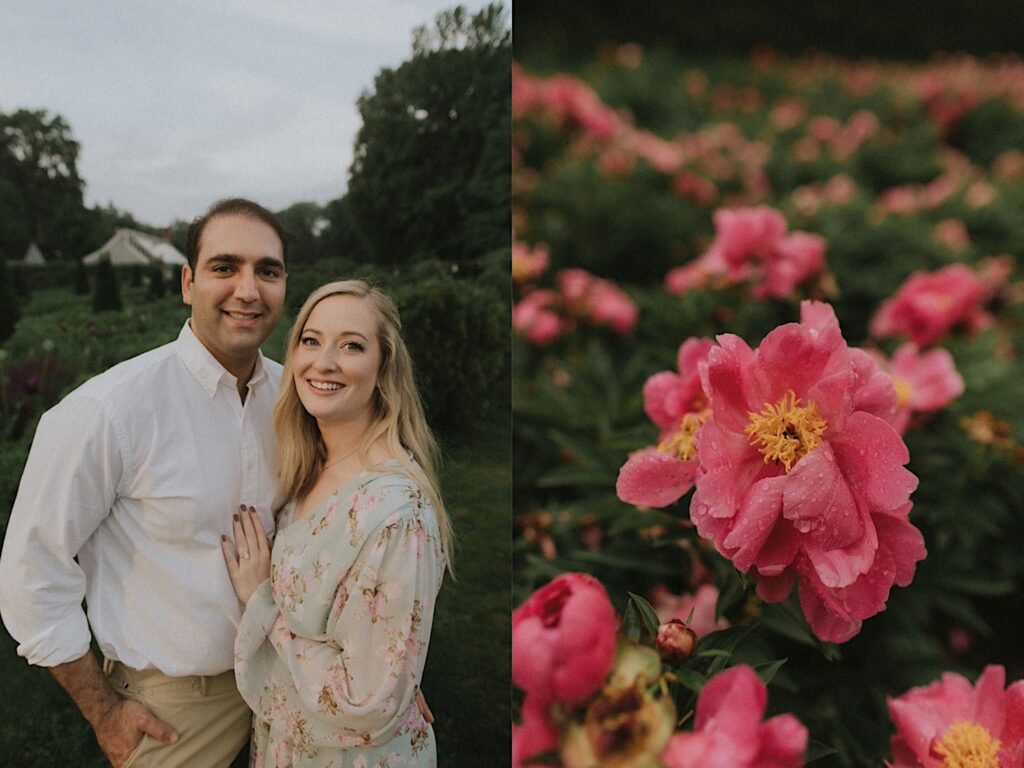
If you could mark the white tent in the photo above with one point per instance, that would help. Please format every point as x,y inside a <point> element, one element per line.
<point>129,246</point>
<point>34,256</point>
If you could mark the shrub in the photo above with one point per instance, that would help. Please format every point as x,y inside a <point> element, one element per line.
<point>157,286</point>
<point>107,295</point>
<point>8,303</point>
<point>457,333</point>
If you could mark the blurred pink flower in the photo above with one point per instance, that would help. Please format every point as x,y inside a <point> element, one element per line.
<point>659,475</point>
<point>661,155</point>
<point>525,91</point>
<point>951,723</point>
<point>563,639</point>
<point>994,273</point>
<point>609,305</point>
<point>534,318</point>
<point>528,263</point>
<point>930,304</point>
<point>598,300</point>
<point>751,244</point>
<point>696,187</point>
<point>1009,165</point>
<point>702,603</point>
<point>801,476</point>
<point>952,233</point>
<point>535,735</point>
<point>572,101</point>
<point>680,280</point>
<point>924,381</point>
<point>796,259</point>
<point>729,732</point>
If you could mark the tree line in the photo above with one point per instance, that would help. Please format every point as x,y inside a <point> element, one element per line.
<point>429,178</point>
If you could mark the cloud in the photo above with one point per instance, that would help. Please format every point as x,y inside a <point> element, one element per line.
<point>179,102</point>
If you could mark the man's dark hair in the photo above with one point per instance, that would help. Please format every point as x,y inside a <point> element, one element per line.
<point>232,206</point>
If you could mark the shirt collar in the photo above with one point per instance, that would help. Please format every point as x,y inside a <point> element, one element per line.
<point>204,366</point>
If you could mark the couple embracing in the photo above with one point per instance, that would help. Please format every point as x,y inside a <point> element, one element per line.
<point>259,546</point>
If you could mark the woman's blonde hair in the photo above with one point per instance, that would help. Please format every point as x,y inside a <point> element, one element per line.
<point>398,410</point>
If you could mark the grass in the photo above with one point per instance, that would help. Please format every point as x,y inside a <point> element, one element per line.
<point>468,674</point>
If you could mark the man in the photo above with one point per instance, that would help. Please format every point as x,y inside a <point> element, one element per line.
<point>138,473</point>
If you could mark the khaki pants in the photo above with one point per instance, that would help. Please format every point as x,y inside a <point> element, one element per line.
<point>211,718</point>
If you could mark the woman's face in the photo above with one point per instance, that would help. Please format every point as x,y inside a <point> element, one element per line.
<point>337,360</point>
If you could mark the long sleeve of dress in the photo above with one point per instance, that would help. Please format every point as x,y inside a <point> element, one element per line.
<point>353,644</point>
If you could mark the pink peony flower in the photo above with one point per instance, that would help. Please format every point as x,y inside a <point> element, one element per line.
<point>751,244</point>
<point>528,263</point>
<point>680,280</point>
<point>949,723</point>
<point>952,233</point>
<point>669,396</point>
<point>924,382</point>
<point>535,735</point>
<point>563,639</point>
<point>659,475</point>
<point>801,476</point>
<point>572,101</point>
<point>598,300</point>
<point>535,318</point>
<point>729,732</point>
<point>701,604</point>
<point>609,305</point>
<point>796,259</point>
<point>930,304</point>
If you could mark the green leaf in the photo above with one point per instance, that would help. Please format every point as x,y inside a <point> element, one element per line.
<point>626,563</point>
<point>691,679</point>
<point>647,614</point>
<point>575,476</point>
<point>632,622</point>
<point>713,654</point>
<point>766,670</point>
<point>816,750</point>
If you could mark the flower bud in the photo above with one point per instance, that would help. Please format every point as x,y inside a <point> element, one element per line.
<point>676,641</point>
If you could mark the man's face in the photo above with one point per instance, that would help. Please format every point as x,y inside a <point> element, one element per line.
<point>237,290</point>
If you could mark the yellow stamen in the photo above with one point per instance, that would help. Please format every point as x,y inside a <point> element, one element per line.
<point>786,431</point>
<point>903,391</point>
<point>681,444</point>
<point>967,745</point>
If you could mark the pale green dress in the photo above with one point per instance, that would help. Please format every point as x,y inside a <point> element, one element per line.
<point>330,651</point>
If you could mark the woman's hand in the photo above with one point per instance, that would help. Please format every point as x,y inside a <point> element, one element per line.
<point>251,566</point>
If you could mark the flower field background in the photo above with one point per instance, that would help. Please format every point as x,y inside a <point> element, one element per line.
<point>831,492</point>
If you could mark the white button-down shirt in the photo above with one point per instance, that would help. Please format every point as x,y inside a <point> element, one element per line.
<point>138,472</point>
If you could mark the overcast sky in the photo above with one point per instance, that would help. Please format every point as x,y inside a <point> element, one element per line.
<point>177,103</point>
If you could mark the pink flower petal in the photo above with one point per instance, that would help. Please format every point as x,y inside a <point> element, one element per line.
<point>724,381</point>
<point>661,399</point>
<point>783,743</point>
<point>871,455</point>
<point>818,501</point>
<point>653,478</point>
<point>754,522</point>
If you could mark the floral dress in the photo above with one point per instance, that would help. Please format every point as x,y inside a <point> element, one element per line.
<point>330,650</point>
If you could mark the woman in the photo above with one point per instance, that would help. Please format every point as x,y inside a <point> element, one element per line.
<point>330,649</point>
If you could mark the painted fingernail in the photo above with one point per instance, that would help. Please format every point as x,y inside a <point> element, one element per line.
<point>223,537</point>
<point>236,517</point>
<point>242,507</point>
